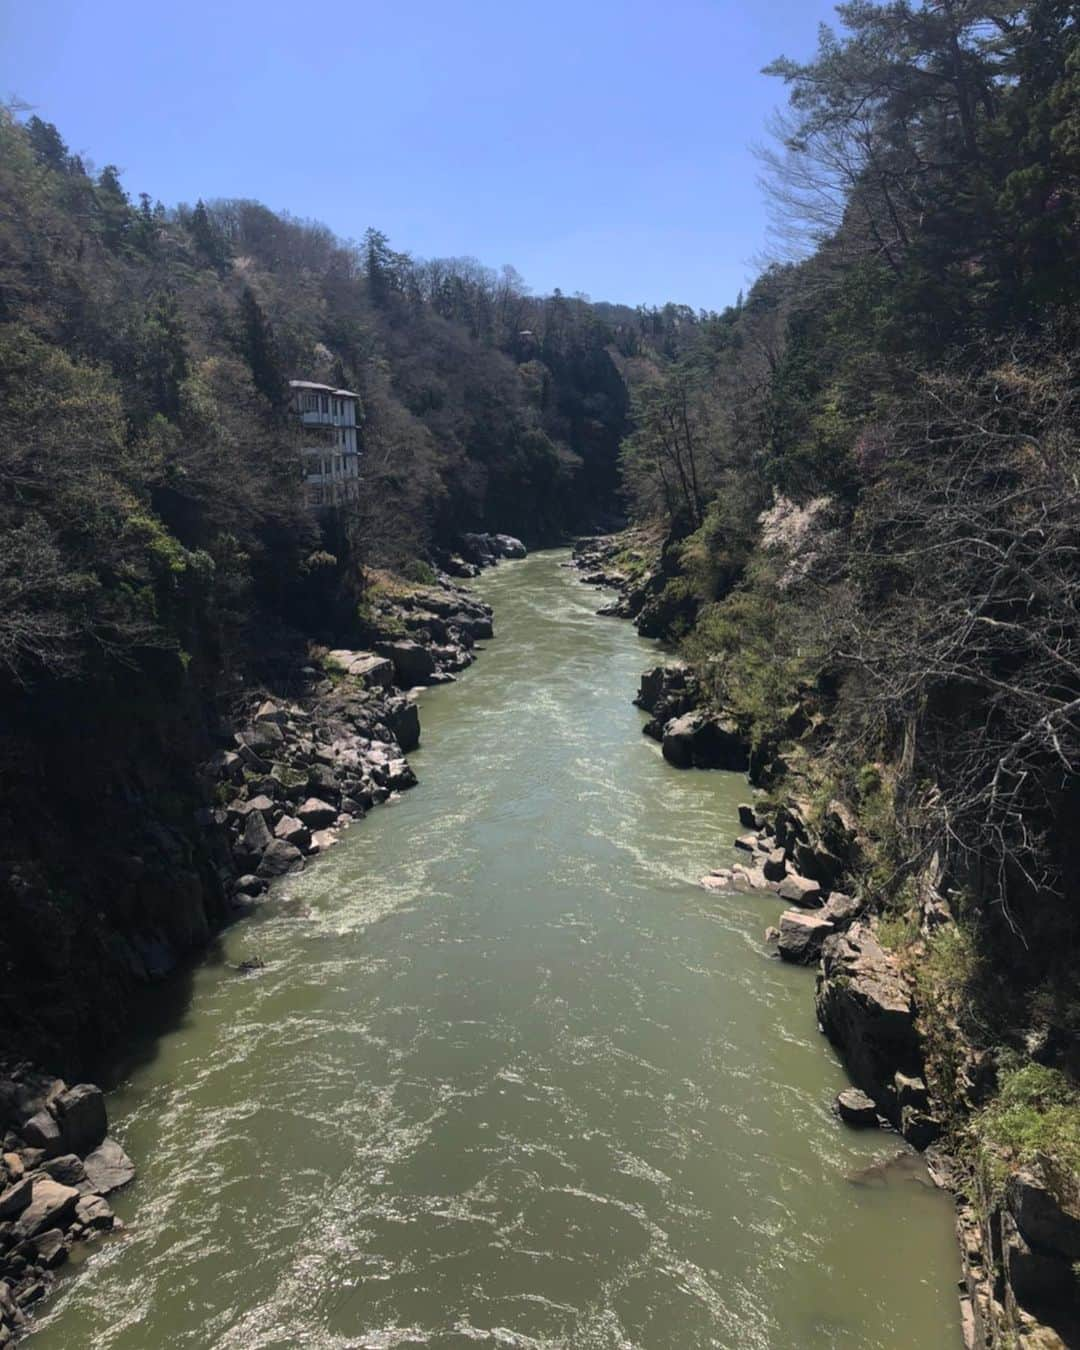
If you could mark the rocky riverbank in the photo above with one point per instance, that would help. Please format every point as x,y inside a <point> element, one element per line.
<point>290,772</point>
<point>300,770</point>
<point>1019,1239</point>
<point>57,1168</point>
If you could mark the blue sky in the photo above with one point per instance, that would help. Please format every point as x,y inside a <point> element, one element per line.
<point>601,146</point>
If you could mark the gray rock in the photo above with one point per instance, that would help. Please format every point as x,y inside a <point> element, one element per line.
<point>413,664</point>
<point>256,837</point>
<point>842,909</point>
<point>278,859</point>
<point>293,831</point>
<point>775,866</point>
<point>264,738</point>
<point>911,1091</point>
<point>748,843</point>
<point>801,936</point>
<point>68,1169</point>
<point>800,891</point>
<point>919,1128</point>
<point>252,760</point>
<point>864,1006</point>
<point>108,1168</point>
<point>403,718</point>
<point>377,672</point>
<point>699,740</point>
<point>856,1108</point>
<point>41,1131</point>
<point>15,1199</point>
<point>747,814</point>
<point>95,1213</point>
<point>249,884</point>
<point>52,1248</point>
<point>316,813</point>
<point>1044,1220</point>
<point>81,1114</point>
<point>507,546</point>
<point>52,1205</point>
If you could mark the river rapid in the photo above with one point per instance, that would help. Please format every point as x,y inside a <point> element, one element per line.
<point>509,1077</point>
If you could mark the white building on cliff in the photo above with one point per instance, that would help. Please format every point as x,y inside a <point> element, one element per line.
<point>327,418</point>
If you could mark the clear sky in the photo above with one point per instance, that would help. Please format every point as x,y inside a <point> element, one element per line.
<point>601,146</point>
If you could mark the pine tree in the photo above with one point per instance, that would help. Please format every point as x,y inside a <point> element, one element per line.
<point>261,351</point>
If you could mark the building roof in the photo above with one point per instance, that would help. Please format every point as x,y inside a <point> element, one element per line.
<point>322,388</point>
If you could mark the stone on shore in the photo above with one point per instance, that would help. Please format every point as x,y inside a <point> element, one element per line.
<point>800,891</point>
<point>15,1199</point>
<point>801,936</point>
<point>51,1248</point>
<point>699,740</point>
<point>108,1168</point>
<point>377,672</point>
<point>316,813</point>
<point>81,1115</point>
<point>52,1205</point>
<point>413,664</point>
<point>278,859</point>
<point>775,865</point>
<point>293,831</point>
<point>94,1212</point>
<point>256,836</point>
<point>865,1007</point>
<point>856,1108</point>
<point>41,1131</point>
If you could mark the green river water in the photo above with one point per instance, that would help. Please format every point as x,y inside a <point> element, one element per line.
<point>510,1077</point>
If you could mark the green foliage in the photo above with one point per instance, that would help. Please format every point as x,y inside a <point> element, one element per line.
<point>743,652</point>
<point>420,572</point>
<point>1034,1118</point>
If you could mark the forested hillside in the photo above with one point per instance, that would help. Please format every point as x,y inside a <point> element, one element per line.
<point>157,554</point>
<point>866,477</point>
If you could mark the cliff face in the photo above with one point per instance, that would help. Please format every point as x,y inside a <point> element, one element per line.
<point>108,878</point>
<point>137,819</point>
<point>955,1032</point>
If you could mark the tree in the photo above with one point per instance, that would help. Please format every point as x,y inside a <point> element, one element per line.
<point>260,350</point>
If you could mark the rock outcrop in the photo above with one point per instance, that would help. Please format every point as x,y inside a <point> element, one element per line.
<point>704,741</point>
<point>865,1007</point>
<point>48,1206</point>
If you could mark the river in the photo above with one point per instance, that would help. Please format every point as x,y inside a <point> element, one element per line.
<point>509,1076</point>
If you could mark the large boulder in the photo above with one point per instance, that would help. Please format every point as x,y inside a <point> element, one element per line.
<point>1048,1222</point>
<point>262,737</point>
<point>42,1131</point>
<point>293,831</point>
<point>865,1007</point>
<point>801,936</point>
<point>15,1199</point>
<point>507,546</point>
<point>703,741</point>
<point>403,719</point>
<point>377,672</point>
<point>52,1205</point>
<point>479,627</point>
<point>667,692</point>
<point>412,663</point>
<point>316,813</point>
<point>256,836</point>
<point>67,1169</point>
<point>856,1108</point>
<point>107,1168</point>
<point>278,859</point>
<point>798,890</point>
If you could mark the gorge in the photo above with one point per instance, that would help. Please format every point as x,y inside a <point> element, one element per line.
<point>507,1075</point>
